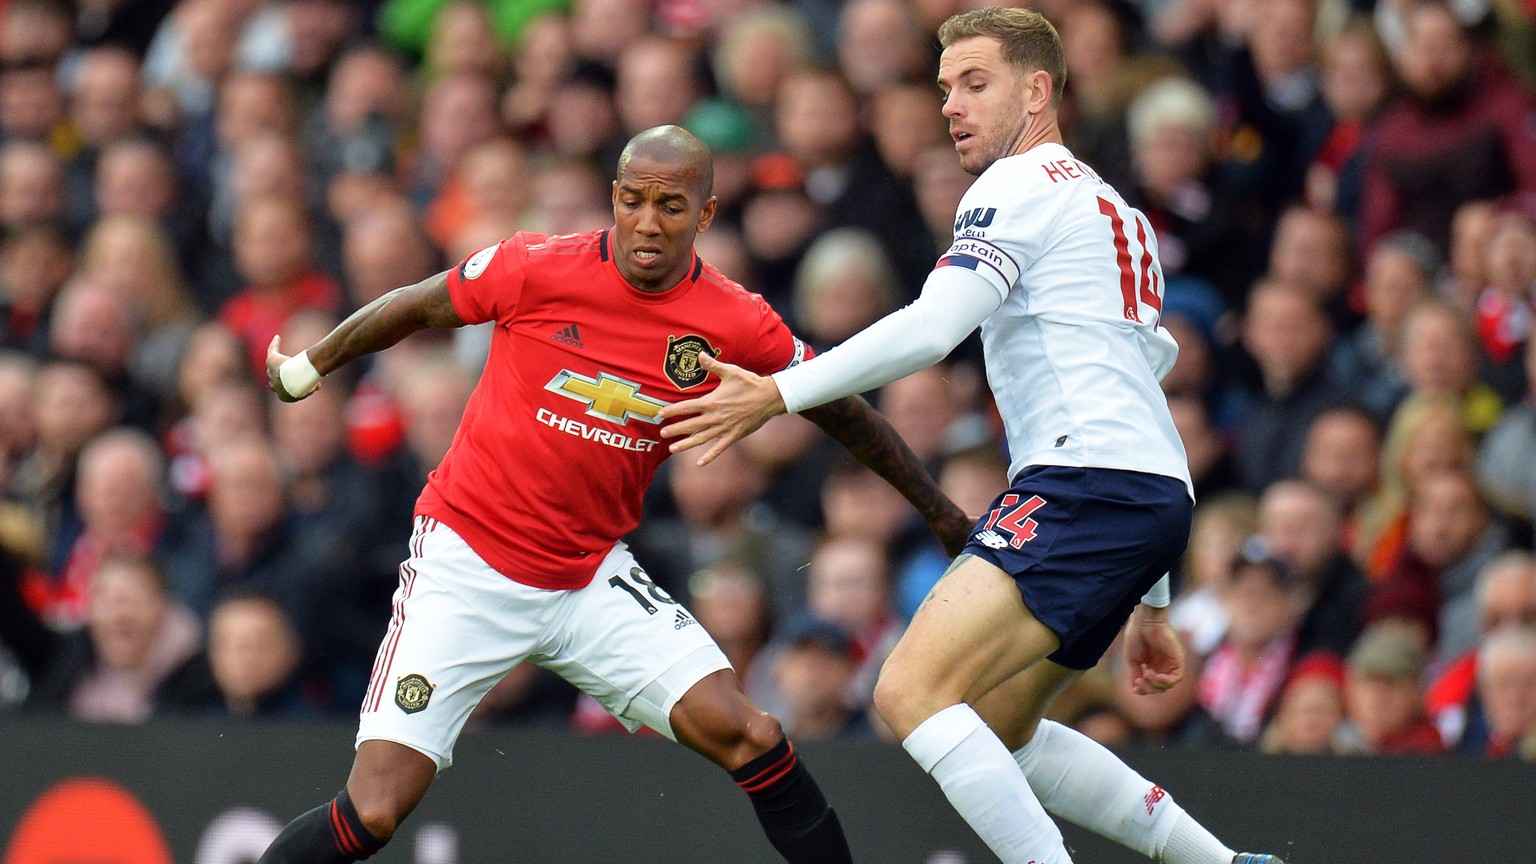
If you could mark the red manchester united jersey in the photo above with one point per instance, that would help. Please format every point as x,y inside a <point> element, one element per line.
<point>561,437</point>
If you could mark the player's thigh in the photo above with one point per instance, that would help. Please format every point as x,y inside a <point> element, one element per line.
<point>1013,708</point>
<point>627,643</point>
<point>971,634</point>
<point>457,627</point>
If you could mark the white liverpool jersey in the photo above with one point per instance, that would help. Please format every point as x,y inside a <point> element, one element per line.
<point>1074,354</point>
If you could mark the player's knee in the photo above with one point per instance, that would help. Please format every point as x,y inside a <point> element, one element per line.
<point>894,697</point>
<point>378,814</point>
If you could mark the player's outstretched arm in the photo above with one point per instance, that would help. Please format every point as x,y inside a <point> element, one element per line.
<point>856,425</point>
<point>372,328</point>
<point>1153,651</point>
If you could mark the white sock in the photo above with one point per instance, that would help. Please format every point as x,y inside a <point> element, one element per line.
<point>984,786</point>
<point>1079,780</point>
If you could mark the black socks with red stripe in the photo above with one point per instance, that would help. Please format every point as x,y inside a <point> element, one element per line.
<point>794,814</point>
<point>329,834</point>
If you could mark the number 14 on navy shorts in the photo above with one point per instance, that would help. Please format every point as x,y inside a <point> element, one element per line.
<point>1083,545</point>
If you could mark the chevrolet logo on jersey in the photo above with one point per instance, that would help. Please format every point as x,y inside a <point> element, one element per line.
<point>609,397</point>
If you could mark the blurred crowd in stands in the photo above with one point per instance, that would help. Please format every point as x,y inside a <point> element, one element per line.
<point>1344,197</point>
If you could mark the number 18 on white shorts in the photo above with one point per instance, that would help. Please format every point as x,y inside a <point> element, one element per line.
<point>459,626</point>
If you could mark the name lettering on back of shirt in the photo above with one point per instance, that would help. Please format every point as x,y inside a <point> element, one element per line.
<point>1067,169</point>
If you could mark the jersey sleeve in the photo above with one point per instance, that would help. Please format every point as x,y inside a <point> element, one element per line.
<point>487,285</point>
<point>999,229</point>
<point>773,347</point>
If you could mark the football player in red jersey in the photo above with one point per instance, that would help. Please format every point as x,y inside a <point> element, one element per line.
<point>516,553</point>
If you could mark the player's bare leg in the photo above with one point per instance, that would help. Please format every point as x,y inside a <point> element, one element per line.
<point>1079,780</point>
<point>716,719</point>
<point>971,634</point>
<point>387,781</point>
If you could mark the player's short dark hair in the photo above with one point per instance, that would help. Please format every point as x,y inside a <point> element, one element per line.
<point>674,145</point>
<point>1029,42</point>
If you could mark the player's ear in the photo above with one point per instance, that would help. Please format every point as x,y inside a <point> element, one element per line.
<point>1038,89</point>
<point>707,214</point>
<point>615,196</point>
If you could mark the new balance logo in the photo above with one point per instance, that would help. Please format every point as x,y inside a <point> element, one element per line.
<point>569,335</point>
<point>683,620</point>
<point>991,540</point>
<point>1151,798</point>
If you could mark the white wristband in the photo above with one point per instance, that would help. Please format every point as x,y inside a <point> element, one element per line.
<point>298,375</point>
<point>1157,597</point>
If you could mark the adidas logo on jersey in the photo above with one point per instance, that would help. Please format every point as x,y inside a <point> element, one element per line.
<point>683,620</point>
<point>569,335</point>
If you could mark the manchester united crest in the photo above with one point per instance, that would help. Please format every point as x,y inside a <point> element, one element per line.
<point>413,692</point>
<point>682,362</point>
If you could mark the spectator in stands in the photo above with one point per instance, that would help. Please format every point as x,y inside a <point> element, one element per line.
<point>1426,435</point>
<point>904,125</point>
<point>383,249</point>
<point>1171,124</point>
<point>1288,335</point>
<point>657,83</point>
<point>104,106</point>
<point>35,263</point>
<point>1399,275</point>
<point>1505,470</point>
<point>1241,680</point>
<point>542,60</point>
<point>1476,115</point>
<point>245,539</point>
<point>1471,230</point>
<point>1506,684</point>
<point>490,181</point>
<point>1384,705</point>
<point>254,654</point>
<point>31,186</point>
<point>93,324</point>
<point>458,112</point>
<point>844,284</point>
<point>1211,466</point>
<point>70,405</point>
<point>1506,597</point>
<point>34,32</point>
<point>1343,459</point>
<point>879,43</point>
<point>1220,526</point>
<point>1451,537</point>
<point>1312,250</point>
<point>118,493</point>
<point>1311,709</point>
<point>853,505</point>
<point>817,123</point>
<point>1357,80</point>
<point>1504,308</point>
<point>938,182</point>
<point>17,430</point>
<point>1439,358</point>
<point>1301,526</point>
<point>136,259</point>
<point>31,104</point>
<point>849,584</point>
<point>1276,120</point>
<point>364,107</point>
<point>137,638</point>
<point>463,40</point>
<point>718,517</point>
<point>274,251</point>
<point>731,602</point>
<point>814,669</point>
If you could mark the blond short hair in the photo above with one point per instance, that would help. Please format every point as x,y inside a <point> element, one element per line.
<point>1029,42</point>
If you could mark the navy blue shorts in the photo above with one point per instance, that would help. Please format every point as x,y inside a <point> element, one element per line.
<point>1084,545</point>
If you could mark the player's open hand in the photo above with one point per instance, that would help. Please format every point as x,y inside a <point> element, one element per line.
<point>1153,651</point>
<point>743,402</point>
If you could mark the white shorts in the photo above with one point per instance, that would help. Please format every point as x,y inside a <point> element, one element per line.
<point>459,626</point>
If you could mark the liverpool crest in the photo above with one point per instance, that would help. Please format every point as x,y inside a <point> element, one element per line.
<point>682,361</point>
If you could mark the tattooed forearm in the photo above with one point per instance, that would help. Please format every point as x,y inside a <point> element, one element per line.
<point>871,439</point>
<point>385,322</point>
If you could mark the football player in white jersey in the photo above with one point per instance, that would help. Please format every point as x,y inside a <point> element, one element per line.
<point>1062,277</point>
